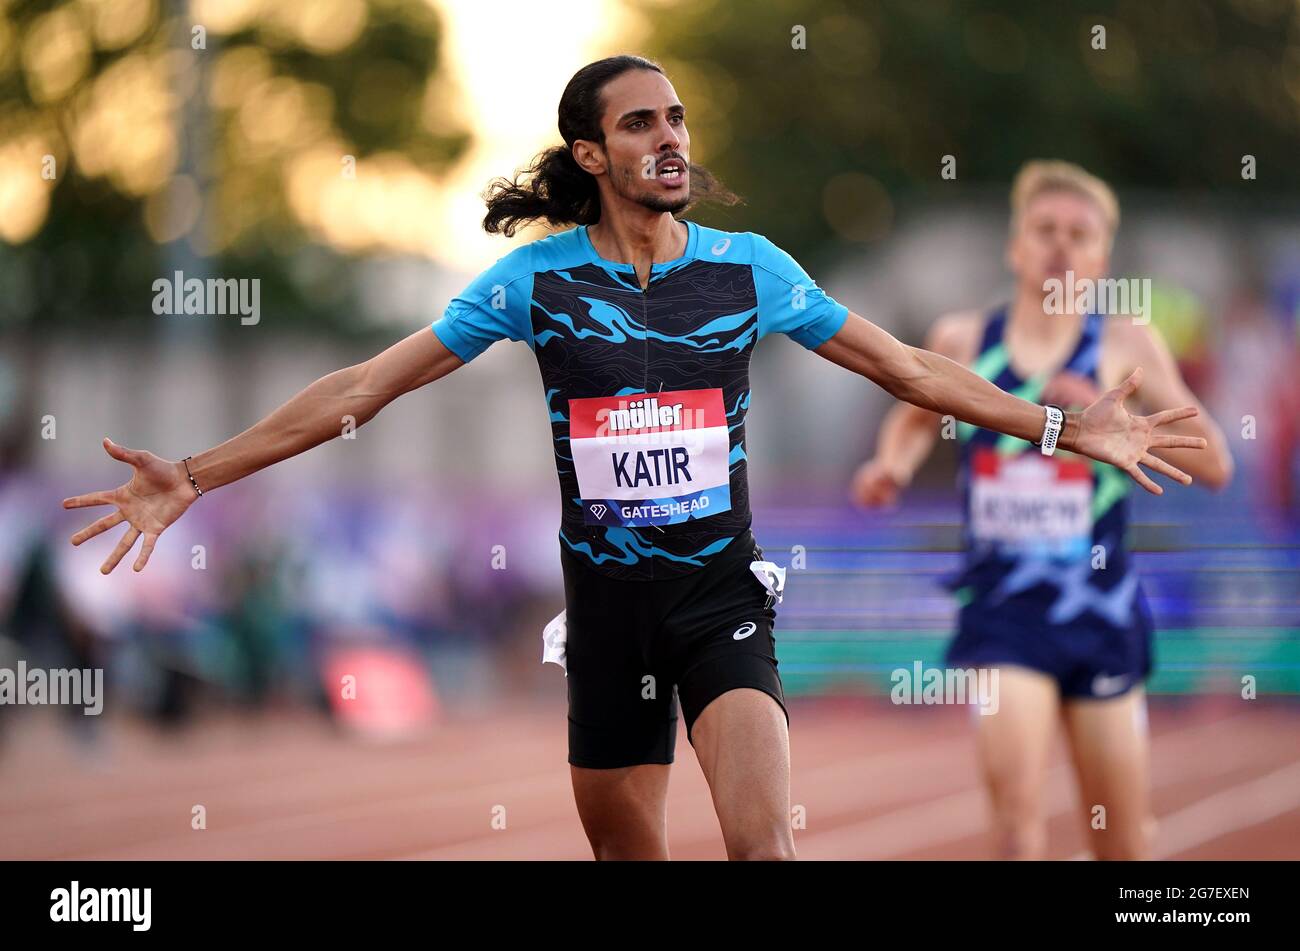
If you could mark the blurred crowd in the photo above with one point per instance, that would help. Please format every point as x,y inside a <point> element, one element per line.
<point>258,592</point>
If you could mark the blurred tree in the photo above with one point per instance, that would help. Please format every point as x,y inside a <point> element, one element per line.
<point>827,114</point>
<point>137,136</point>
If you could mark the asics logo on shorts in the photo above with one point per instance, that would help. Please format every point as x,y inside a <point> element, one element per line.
<point>746,629</point>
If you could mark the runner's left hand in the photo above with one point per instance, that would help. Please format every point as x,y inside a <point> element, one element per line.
<point>1109,433</point>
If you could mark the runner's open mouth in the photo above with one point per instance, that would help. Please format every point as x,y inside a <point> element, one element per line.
<point>672,170</point>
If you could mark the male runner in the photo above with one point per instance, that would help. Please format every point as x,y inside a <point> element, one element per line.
<point>642,326</point>
<point>1048,594</point>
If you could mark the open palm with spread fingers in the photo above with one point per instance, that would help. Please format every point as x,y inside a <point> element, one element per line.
<point>1110,433</point>
<point>157,495</point>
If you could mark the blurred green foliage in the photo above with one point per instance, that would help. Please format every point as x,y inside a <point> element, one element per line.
<point>93,259</point>
<point>826,142</point>
<point>830,117</point>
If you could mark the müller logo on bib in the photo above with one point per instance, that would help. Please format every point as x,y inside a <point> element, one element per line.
<point>651,458</point>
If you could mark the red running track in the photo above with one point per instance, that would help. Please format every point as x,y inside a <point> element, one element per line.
<point>875,781</point>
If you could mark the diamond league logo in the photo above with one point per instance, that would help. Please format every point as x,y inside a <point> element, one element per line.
<point>599,510</point>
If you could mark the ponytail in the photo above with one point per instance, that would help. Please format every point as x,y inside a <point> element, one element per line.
<point>554,187</point>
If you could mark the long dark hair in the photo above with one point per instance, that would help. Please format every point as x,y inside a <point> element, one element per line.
<point>555,186</point>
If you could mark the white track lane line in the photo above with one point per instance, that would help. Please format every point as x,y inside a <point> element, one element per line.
<point>1227,811</point>
<point>956,816</point>
<point>703,826</point>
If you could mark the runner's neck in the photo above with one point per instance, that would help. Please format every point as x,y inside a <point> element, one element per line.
<point>1036,341</point>
<point>640,240</point>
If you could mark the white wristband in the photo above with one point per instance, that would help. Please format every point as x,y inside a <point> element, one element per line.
<point>1052,429</point>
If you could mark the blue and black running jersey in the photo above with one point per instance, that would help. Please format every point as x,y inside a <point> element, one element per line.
<point>1044,536</point>
<point>647,390</point>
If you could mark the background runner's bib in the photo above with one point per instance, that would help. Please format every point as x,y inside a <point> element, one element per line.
<point>651,458</point>
<point>1030,503</point>
<point>1046,576</point>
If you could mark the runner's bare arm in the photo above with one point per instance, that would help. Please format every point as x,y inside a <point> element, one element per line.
<point>315,415</point>
<point>1105,431</point>
<point>908,433</point>
<point>160,491</point>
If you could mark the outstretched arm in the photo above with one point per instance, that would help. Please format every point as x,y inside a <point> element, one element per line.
<point>1105,431</point>
<point>908,433</point>
<point>160,491</point>
<point>315,414</point>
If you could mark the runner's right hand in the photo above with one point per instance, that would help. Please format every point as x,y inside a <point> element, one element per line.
<point>158,494</point>
<point>876,486</point>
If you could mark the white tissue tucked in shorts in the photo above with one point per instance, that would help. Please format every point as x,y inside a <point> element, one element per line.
<point>772,576</point>
<point>554,638</point>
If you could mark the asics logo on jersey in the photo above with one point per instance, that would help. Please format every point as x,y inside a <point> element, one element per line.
<point>721,246</point>
<point>746,629</point>
<point>599,510</point>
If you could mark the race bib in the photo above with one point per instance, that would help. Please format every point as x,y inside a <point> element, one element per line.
<point>651,458</point>
<point>1031,503</point>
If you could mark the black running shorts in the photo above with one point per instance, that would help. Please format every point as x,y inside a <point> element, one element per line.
<point>635,648</point>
